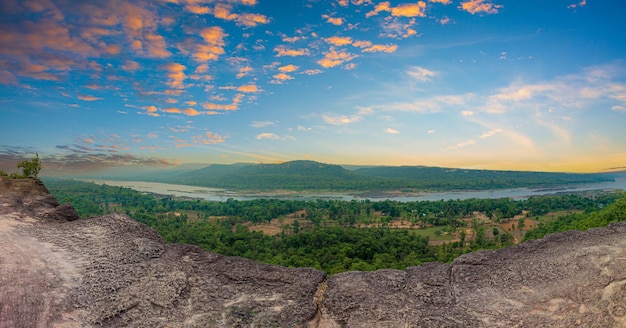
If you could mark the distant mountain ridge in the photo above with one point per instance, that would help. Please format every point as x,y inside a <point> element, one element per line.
<point>311,175</point>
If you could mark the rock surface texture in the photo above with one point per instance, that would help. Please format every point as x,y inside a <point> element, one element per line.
<point>110,271</point>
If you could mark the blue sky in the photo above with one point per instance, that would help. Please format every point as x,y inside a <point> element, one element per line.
<point>502,84</point>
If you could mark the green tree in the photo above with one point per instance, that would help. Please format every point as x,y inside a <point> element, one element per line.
<point>31,168</point>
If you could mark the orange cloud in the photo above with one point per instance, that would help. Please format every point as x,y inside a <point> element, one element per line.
<point>334,58</point>
<point>362,44</point>
<point>478,6</point>
<point>171,101</point>
<point>151,110</point>
<point>213,106</point>
<point>291,39</point>
<point>282,51</point>
<point>402,10</point>
<point>210,50</point>
<point>243,71</point>
<point>383,6</point>
<point>283,76</point>
<point>130,66</point>
<point>176,75</point>
<point>381,48</point>
<point>173,110</point>
<point>339,40</point>
<point>198,10</point>
<point>333,20</point>
<point>288,68</point>
<point>445,2</point>
<point>88,98</point>
<point>208,138</point>
<point>248,88</point>
<point>409,9</point>
<point>222,11</point>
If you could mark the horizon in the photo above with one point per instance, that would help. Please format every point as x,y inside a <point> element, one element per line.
<point>468,84</point>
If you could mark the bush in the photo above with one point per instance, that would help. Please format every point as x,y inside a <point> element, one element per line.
<point>30,169</point>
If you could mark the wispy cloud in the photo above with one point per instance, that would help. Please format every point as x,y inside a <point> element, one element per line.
<point>267,135</point>
<point>392,131</point>
<point>261,124</point>
<point>341,119</point>
<point>421,74</point>
<point>88,98</point>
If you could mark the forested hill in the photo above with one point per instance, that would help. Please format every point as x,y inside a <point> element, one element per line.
<point>310,175</point>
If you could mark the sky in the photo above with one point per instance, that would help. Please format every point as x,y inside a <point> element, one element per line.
<point>492,84</point>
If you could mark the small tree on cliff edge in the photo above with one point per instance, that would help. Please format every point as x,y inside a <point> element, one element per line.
<point>30,169</point>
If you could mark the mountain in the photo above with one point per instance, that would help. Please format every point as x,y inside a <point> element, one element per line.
<point>294,175</point>
<point>454,178</point>
<point>110,271</point>
<point>311,175</point>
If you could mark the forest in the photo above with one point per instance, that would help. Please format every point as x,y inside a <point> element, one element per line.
<point>310,175</point>
<point>337,236</point>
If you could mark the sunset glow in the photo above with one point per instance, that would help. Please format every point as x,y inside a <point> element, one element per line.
<point>521,85</point>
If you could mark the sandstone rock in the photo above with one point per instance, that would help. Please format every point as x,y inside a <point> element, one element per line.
<point>111,271</point>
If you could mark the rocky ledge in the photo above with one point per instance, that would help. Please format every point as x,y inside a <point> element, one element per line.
<point>57,270</point>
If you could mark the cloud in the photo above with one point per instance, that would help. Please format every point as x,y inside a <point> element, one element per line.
<point>312,71</point>
<point>467,113</point>
<point>176,75</point>
<point>283,76</point>
<point>222,11</point>
<point>209,138</point>
<point>261,124</point>
<point>282,51</point>
<point>334,58</point>
<point>579,4</point>
<point>362,44</point>
<point>591,86</point>
<point>243,71</point>
<point>445,2</point>
<point>490,133</point>
<point>479,6</point>
<point>88,98</point>
<point>381,48</point>
<point>431,131</point>
<point>249,88</point>
<point>402,10</point>
<point>339,40</point>
<point>267,135</point>
<point>302,128</point>
<point>392,131</point>
<point>619,108</point>
<point>341,119</point>
<point>419,106</point>
<point>7,77</point>
<point>288,68</point>
<point>210,50</point>
<point>382,6</point>
<point>409,9</point>
<point>333,20</point>
<point>421,74</point>
<point>462,144</point>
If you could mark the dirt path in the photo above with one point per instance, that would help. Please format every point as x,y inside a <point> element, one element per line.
<point>35,278</point>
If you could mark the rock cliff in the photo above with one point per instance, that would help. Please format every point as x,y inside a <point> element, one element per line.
<point>60,271</point>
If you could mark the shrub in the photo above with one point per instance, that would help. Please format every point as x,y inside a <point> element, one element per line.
<point>31,168</point>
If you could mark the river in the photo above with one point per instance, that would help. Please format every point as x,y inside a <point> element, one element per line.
<point>214,194</point>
